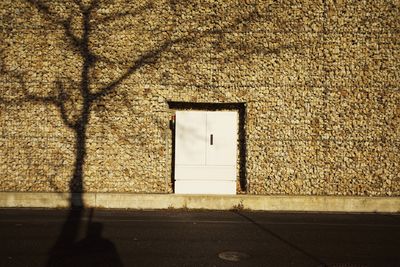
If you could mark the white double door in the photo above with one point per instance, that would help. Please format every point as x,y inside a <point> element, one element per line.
<point>205,152</point>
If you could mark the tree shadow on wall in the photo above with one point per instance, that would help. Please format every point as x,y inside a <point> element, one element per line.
<point>76,97</point>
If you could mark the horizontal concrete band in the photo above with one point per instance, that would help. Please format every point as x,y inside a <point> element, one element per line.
<point>212,202</point>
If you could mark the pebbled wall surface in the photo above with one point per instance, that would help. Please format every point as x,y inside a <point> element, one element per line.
<point>319,81</point>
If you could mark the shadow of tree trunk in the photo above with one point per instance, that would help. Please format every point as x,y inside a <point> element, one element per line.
<point>93,250</point>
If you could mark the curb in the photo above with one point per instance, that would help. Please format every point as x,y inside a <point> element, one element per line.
<point>209,202</point>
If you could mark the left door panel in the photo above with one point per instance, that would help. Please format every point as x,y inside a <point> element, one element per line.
<point>190,138</point>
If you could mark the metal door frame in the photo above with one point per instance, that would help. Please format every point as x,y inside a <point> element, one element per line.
<point>242,149</point>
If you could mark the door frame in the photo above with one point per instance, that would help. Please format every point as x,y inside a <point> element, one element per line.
<point>240,108</point>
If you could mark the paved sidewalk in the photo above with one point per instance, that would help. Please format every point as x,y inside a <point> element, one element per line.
<point>34,237</point>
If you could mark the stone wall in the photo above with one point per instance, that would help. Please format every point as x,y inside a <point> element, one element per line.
<point>319,79</point>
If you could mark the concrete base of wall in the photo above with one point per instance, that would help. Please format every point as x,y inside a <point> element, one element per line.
<point>211,202</point>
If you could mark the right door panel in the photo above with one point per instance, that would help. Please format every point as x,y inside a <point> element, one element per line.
<point>221,137</point>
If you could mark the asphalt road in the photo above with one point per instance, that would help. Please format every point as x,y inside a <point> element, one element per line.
<point>196,238</point>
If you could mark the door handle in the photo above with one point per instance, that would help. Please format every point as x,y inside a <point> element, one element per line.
<point>211,139</point>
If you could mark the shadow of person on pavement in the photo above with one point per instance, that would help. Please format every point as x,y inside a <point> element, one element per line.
<point>93,250</point>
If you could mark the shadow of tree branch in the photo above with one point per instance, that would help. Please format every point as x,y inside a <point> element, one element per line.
<point>122,15</point>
